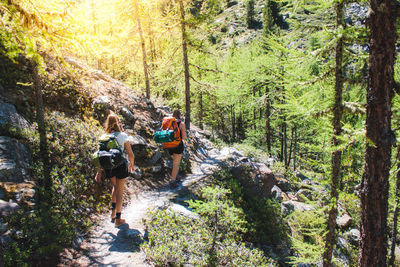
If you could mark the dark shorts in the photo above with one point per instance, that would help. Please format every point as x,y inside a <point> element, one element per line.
<point>176,150</point>
<point>120,172</point>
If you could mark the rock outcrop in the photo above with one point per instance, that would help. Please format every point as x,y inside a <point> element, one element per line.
<point>14,161</point>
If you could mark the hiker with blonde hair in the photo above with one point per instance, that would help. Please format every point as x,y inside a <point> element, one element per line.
<point>113,169</point>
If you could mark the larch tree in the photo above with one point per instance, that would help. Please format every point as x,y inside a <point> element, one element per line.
<point>143,45</point>
<point>375,180</point>
<point>185,64</point>
<point>337,130</point>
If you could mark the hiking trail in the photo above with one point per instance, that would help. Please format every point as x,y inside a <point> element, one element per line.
<point>108,245</point>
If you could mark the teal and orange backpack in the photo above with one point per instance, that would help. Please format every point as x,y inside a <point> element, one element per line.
<point>170,135</point>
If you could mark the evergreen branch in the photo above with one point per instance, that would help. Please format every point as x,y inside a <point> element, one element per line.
<point>201,50</point>
<point>323,112</point>
<point>212,70</point>
<point>323,76</point>
<point>28,18</point>
<point>354,107</point>
<point>204,84</point>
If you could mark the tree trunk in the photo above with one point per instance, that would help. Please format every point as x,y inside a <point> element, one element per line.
<point>185,65</point>
<point>375,180</point>
<point>254,110</point>
<point>285,142</point>
<point>396,212</point>
<point>291,145</point>
<point>145,69</point>
<point>268,120</point>
<point>233,123</point>
<point>295,148</point>
<point>282,146</point>
<point>45,181</point>
<point>337,130</point>
<point>201,113</point>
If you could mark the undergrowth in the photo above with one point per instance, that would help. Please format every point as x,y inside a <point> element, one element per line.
<point>39,234</point>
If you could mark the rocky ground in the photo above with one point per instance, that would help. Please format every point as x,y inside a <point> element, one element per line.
<point>108,245</point>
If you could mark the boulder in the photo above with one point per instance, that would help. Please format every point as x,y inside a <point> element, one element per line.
<point>3,227</point>
<point>10,118</point>
<point>7,208</point>
<point>182,210</point>
<point>256,178</point>
<point>303,195</point>
<point>14,161</point>
<point>23,193</point>
<point>353,236</point>
<point>137,140</point>
<point>102,103</point>
<point>288,207</point>
<point>137,173</point>
<point>155,157</point>
<point>344,220</point>
<point>229,154</point>
<point>342,251</point>
<point>271,161</point>
<point>300,175</point>
<point>127,114</point>
<point>283,183</point>
<point>276,193</point>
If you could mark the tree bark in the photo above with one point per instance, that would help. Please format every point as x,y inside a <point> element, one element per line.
<point>375,180</point>
<point>285,154</point>
<point>145,68</point>
<point>45,181</point>
<point>295,148</point>
<point>233,123</point>
<point>330,238</point>
<point>201,113</point>
<point>254,110</point>
<point>268,120</point>
<point>185,65</point>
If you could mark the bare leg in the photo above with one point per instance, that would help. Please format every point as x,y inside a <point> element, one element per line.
<point>113,194</point>
<point>119,192</point>
<point>175,165</point>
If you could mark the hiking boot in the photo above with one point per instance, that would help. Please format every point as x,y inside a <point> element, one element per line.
<point>119,222</point>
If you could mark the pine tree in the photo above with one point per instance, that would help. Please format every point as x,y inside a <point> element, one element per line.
<point>142,41</point>
<point>337,130</point>
<point>250,14</point>
<point>375,183</point>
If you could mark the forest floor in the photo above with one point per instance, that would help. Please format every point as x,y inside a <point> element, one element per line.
<point>108,245</point>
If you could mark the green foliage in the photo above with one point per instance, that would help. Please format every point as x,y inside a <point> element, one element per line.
<point>250,21</point>
<point>308,228</point>
<point>265,225</point>
<point>44,231</point>
<point>268,20</point>
<point>213,238</point>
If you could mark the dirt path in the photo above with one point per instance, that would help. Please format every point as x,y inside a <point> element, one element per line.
<point>111,246</point>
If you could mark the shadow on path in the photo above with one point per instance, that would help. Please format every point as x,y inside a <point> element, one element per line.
<point>126,240</point>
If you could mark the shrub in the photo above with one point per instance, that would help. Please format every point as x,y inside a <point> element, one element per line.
<point>41,233</point>
<point>308,228</point>
<point>212,239</point>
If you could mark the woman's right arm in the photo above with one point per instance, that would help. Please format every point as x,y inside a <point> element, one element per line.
<point>131,156</point>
